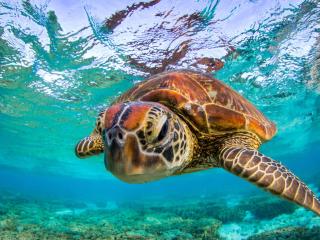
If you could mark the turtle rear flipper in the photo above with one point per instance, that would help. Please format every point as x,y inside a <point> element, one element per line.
<point>89,146</point>
<point>268,174</point>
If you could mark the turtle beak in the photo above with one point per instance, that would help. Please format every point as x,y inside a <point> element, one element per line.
<point>114,157</point>
<point>126,161</point>
<point>114,139</point>
<point>122,154</point>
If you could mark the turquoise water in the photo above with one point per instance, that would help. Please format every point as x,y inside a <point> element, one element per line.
<point>63,61</point>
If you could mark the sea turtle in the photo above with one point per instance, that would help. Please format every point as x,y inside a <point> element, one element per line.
<point>184,121</point>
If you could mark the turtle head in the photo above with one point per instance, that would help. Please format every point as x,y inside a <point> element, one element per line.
<point>145,141</point>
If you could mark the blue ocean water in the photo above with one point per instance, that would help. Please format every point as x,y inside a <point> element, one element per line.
<point>63,61</point>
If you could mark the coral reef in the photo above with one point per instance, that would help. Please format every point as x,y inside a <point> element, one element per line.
<point>267,208</point>
<point>27,218</point>
<point>206,218</point>
<point>292,233</point>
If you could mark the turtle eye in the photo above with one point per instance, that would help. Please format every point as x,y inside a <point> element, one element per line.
<point>163,131</point>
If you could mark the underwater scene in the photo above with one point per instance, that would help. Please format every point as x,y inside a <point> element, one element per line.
<point>62,62</point>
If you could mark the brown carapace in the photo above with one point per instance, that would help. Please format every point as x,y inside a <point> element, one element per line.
<point>183,121</point>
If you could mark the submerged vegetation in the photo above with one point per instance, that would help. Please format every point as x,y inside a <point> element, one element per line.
<point>252,218</point>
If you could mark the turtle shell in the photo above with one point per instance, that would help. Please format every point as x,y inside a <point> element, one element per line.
<point>209,106</point>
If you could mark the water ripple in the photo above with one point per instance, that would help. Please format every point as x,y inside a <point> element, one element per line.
<point>63,61</point>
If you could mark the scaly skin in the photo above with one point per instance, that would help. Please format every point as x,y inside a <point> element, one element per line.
<point>238,154</point>
<point>93,144</point>
<point>268,174</point>
<point>89,146</point>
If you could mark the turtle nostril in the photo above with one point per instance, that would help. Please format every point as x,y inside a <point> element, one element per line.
<point>120,135</point>
<point>115,133</point>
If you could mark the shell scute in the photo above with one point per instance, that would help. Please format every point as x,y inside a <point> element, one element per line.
<point>186,86</point>
<point>231,109</point>
<point>207,104</point>
<point>168,96</point>
<point>224,119</point>
<point>197,115</point>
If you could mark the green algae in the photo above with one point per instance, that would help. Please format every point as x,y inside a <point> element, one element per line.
<point>24,217</point>
<point>271,207</point>
<point>292,233</point>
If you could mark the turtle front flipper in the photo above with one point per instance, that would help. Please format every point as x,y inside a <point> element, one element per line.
<point>268,174</point>
<point>89,146</point>
<point>93,144</point>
